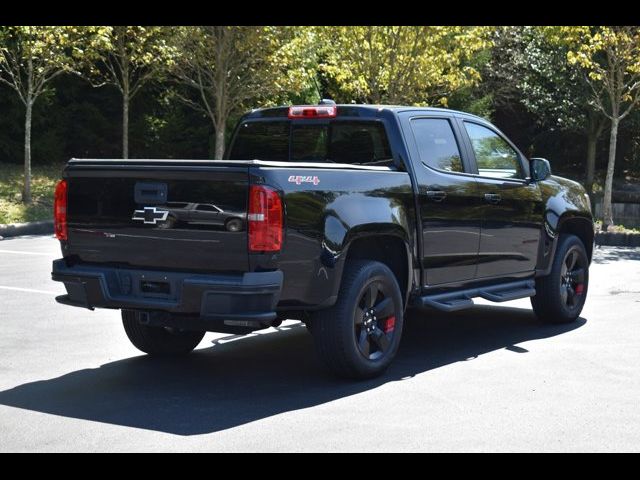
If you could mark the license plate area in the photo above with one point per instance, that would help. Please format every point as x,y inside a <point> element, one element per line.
<point>150,288</point>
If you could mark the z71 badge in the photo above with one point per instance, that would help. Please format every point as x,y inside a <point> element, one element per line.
<point>298,179</point>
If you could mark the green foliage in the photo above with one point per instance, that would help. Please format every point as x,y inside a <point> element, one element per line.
<point>235,67</point>
<point>31,56</point>
<point>523,78</point>
<point>163,127</point>
<point>610,57</point>
<point>551,86</point>
<point>477,99</point>
<point>232,68</point>
<point>400,64</point>
<point>132,55</point>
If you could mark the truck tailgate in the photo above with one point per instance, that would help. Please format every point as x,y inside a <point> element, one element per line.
<point>188,216</point>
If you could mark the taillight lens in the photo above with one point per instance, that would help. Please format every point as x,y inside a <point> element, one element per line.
<point>309,111</point>
<point>60,210</point>
<point>264,219</point>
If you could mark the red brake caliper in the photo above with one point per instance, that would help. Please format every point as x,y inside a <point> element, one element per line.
<point>389,324</point>
<point>579,289</point>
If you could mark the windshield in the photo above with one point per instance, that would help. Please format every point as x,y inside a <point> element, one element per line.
<point>363,143</point>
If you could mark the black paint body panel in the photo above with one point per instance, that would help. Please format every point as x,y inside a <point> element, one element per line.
<point>458,242</point>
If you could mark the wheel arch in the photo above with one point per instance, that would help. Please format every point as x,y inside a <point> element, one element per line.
<point>391,249</point>
<point>581,227</point>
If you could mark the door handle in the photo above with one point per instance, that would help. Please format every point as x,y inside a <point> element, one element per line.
<point>436,195</point>
<point>492,198</point>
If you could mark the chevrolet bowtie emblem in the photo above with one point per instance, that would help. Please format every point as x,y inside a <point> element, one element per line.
<point>150,215</point>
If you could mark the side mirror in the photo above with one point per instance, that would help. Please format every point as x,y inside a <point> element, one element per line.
<point>540,169</point>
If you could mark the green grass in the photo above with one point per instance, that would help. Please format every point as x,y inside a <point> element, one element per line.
<point>43,182</point>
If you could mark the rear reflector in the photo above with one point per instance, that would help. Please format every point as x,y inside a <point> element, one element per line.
<point>265,219</point>
<point>309,111</point>
<point>60,210</point>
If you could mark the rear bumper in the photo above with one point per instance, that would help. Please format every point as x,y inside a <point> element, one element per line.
<point>251,296</point>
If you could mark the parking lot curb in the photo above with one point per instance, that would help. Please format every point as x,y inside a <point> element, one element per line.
<point>615,239</point>
<point>28,228</point>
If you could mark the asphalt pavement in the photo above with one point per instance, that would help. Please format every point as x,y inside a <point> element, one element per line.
<point>492,378</point>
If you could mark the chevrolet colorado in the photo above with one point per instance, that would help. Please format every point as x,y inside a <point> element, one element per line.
<point>340,216</point>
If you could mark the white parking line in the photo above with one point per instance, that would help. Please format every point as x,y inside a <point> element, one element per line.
<point>32,290</point>
<point>25,253</point>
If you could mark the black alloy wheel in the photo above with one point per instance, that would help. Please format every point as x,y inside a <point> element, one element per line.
<point>374,321</point>
<point>358,336</point>
<point>561,294</point>
<point>572,276</point>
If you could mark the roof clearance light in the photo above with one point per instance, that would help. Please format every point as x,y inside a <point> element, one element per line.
<point>309,111</point>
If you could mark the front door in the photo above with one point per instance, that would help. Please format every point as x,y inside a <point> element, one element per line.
<point>450,223</point>
<point>512,207</point>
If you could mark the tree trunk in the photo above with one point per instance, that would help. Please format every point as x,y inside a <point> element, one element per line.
<point>607,211</point>
<point>219,148</point>
<point>592,142</point>
<point>125,126</point>
<point>26,191</point>
<point>126,91</point>
<point>594,130</point>
<point>125,120</point>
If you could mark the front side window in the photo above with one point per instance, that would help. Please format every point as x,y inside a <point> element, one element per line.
<point>494,156</point>
<point>437,145</point>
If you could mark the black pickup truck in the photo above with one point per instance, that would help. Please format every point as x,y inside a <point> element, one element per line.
<point>342,217</point>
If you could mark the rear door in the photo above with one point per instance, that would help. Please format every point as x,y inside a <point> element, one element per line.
<point>450,221</point>
<point>511,206</point>
<point>138,213</point>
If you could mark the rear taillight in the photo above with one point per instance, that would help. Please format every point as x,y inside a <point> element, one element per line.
<point>60,210</point>
<point>264,219</point>
<point>309,111</point>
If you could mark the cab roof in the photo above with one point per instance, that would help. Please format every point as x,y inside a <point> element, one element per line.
<point>358,110</point>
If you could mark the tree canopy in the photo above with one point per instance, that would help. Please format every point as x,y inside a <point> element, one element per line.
<point>32,56</point>
<point>176,92</point>
<point>400,64</point>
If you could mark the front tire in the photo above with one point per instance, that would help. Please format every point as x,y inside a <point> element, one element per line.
<point>358,337</point>
<point>159,340</point>
<point>560,295</point>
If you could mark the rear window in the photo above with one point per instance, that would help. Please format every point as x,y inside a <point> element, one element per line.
<point>262,141</point>
<point>363,143</point>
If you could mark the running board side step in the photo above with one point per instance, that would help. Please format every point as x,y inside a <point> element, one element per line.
<point>461,299</point>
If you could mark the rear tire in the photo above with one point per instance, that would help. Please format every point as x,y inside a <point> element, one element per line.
<point>560,295</point>
<point>159,340</point>
<point>358,337</point>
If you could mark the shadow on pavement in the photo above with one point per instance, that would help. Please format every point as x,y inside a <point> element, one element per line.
<point>258,376</point>
<point>603,255</point>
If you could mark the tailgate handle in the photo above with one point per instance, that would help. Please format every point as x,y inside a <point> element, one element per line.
<point>150,192</point>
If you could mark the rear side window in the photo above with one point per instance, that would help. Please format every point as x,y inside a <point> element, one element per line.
<point>437,145</point>
<point>363,143</point>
